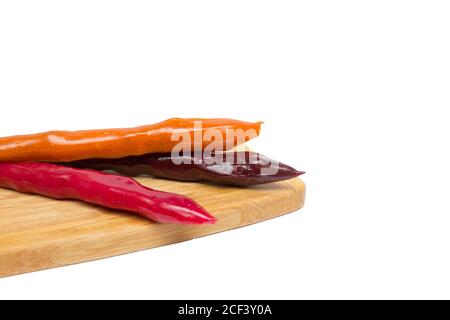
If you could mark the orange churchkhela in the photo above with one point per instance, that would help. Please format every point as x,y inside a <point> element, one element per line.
<point>64,146</point>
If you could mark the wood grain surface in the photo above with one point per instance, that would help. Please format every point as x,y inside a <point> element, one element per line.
<point>38,233</point>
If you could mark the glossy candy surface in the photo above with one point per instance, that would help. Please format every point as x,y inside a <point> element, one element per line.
<point>112,191</point>
<point>240,169</point>
<point>63,146</point>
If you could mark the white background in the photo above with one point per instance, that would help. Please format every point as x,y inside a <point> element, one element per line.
<point>354,92</point>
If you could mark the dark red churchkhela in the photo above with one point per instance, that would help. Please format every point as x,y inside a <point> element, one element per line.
<point>239,168</point>
<point>112,191</point>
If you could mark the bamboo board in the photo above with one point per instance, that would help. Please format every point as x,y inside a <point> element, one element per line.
<point>37,233</point>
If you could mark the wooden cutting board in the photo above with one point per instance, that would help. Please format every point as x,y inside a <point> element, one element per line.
<point>38,233</point>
